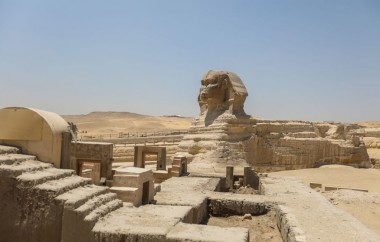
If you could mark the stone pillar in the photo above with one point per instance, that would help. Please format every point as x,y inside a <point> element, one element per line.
<point>65,151</point>
<point>251,178</point>
<point>161,159</point>
<point>139,157</point>
<point>247,176</point>
<point>229,178</point>
<point>184,165</point>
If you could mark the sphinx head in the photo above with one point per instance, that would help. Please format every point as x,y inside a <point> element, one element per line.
<point>220,92</point>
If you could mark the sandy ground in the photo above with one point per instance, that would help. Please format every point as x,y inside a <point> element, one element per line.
<point>362,205</point>
<point>339,176</point>
<point>261,228</point>
<point>104,123</point>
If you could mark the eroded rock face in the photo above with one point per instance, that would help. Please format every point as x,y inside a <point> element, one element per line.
<point>280,145</point>
<point>224,135</point>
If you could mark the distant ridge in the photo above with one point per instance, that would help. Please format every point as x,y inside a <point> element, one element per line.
<point>111,122</point>
<point>107,113</point>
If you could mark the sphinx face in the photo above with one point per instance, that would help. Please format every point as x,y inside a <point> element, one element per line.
<point>220,92</point>
<point>212,90</point>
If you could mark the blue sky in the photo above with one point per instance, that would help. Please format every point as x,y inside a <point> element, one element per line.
<point>306,60</point>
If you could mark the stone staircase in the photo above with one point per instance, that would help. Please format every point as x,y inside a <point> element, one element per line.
<point>42,203</point>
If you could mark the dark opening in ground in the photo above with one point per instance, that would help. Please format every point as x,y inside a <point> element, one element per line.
<point>261,228</point>
<point>258,217</point>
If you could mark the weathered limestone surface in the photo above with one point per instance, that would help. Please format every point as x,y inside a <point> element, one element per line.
<point>302,214</point>
<point>134,185</point>
<point>181,203</point>
<point>279,145</point>
<point>305,215</point>
<point>92,152</point>
<point>371,137</point>
<point>147,223</point>
<point>42,203</point>
<point>224,135</point>
<point>179,191</point>
<point>201,233</point>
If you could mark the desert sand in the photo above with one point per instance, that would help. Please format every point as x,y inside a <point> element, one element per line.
<point>105,123</point>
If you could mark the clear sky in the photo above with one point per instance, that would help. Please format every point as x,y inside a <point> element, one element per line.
<point>308,60</point>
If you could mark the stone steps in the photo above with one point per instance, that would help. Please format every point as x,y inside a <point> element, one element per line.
<point>63,185</point>
<point>95,202</point>
<point>103,210</point>
<point>9,159</point>
<point>175,173</point>
<point>176,167</point>
<point>19,167</point>
<point>67,204</point>
<point>8,150</point>
<point>36,177</point>
<point>80,195</point>
<point>83,207</point>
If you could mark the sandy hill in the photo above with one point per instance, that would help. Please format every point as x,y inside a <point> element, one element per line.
<point>102,123</point>
<point>370,124</point>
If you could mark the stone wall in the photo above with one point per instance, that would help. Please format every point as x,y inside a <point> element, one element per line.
<point>296,145</point>
<point>96,152</point>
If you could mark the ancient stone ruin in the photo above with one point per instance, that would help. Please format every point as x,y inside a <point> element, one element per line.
<point>224,135</point>
<point>55,188</point>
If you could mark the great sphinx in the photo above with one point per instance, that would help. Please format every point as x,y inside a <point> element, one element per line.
<point>223,134</point>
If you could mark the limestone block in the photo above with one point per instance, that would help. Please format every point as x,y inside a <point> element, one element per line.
<point>128,194</point>
<point>160,176</point>
<point>229,178</point>
<point>203,233</point>
<point>314,185</point>
<point>127,181</point>
<point>329,188</point>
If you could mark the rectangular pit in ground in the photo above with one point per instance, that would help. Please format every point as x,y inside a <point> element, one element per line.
<point>258,217</point>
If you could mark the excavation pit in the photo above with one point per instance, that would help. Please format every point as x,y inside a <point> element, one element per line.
<point>259,218</point>
<point>261,228</point>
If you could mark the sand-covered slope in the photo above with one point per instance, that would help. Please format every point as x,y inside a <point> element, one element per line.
<point>101,123</point>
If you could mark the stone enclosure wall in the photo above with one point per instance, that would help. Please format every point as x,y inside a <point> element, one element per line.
<point>297,145</point>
